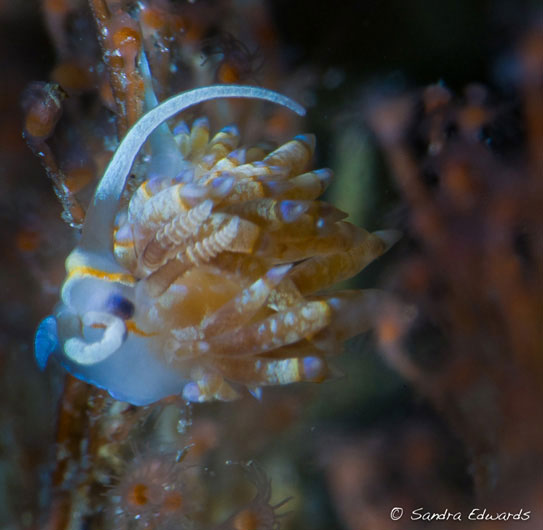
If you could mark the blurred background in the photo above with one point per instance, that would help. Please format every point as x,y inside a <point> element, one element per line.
<point>431,116</point>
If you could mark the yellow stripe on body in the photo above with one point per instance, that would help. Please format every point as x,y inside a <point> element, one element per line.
<point>123,243</point>
<point>145,190</point>
<point>118,277</point>
<point>132,327</point>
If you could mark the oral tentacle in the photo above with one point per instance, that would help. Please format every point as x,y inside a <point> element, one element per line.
<point>89,353</point>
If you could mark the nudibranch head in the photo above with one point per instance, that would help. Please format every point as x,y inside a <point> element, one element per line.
<point>206,281</point>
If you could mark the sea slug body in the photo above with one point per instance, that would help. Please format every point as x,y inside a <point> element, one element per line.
<point>209,280</point>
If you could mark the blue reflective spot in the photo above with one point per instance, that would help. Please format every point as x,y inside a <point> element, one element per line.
<point>185,176</point>
<point>323,173</point>
<point>238,156</point>
<point>307,139</point>
<point>154,184</point>
<point>256,392</point>
<point>223,185</point>
<point>292,210</point>
<point>181,128</point>
<point>313,368</point>
<point>230,129</point>
<point>208,160</point>
<point>192,393</point>
<point>202,122</point>
<point>220,181</point>
<point>302,138</point>
<point>46,341</point>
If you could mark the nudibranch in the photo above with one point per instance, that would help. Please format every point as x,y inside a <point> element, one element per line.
<point>211,279</point>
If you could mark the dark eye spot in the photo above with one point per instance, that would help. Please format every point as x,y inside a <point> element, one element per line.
<point>120,306</point>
